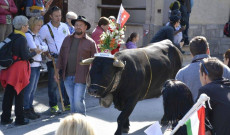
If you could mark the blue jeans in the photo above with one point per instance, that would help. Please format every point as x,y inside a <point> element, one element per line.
<point>52,86</point>
<point>76,93</point>
<point>31,87</point>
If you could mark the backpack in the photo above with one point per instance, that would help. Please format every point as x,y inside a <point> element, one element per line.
<point>6,56</point>
<point>227,29</point>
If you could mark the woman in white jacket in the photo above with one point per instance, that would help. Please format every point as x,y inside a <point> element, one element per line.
<point>34,42</point>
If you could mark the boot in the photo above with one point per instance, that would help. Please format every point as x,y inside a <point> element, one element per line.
<point>25,121</point>
<point>33,112</point>
<point>28,114</point>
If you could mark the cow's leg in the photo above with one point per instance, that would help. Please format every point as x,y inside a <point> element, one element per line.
<point>126,126</point>
<point>124,116</point>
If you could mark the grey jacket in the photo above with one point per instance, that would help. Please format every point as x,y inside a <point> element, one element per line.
<point>191,77</point>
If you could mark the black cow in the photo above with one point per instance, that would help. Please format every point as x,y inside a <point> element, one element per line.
<point>133,75</point>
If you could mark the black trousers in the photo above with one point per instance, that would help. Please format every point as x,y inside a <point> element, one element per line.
<point>7,103</point>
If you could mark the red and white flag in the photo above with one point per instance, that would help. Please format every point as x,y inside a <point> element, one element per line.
<point>123,16</point>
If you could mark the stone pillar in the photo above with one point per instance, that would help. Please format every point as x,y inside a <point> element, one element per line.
<point>87,8</point>
<point>154,19</point>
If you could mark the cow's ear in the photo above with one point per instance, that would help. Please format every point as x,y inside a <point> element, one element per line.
<point>86,61</point>
<point>118,63</point>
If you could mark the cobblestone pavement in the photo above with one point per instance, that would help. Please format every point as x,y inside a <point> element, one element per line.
<point>41,105</point>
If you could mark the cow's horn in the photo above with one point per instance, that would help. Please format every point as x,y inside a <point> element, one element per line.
<point>87,61</point>
<point>118,63</point>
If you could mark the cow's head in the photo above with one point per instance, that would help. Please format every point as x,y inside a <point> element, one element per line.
<point>103,76</point>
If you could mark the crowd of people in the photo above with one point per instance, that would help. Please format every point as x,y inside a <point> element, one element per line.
<point>204,74</point>
<point>65,44</point>
<point>176,30</point>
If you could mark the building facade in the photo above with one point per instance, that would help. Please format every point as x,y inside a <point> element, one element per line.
<point>148,16</point>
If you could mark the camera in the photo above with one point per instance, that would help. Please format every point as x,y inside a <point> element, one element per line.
<point>54,55</point>
<point>31,60</point>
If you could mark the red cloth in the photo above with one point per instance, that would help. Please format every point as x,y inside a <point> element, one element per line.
<point>17,75</point>
<point>96,36</point>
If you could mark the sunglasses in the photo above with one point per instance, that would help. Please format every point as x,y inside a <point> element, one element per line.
<point>205,69</point>
<point>55,8</point>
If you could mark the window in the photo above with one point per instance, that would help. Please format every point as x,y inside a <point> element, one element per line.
<point>110,7</point>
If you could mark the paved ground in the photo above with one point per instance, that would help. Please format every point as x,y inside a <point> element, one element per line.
<point>102,119</point>
<point>41,105</point>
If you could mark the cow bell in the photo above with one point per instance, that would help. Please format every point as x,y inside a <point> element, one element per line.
<point>86,61</point>
<point>118,63</point>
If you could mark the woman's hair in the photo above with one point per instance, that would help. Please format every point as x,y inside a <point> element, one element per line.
<point>20,21</point>
<point>34,21</point>
<point>75,124</point>
<point>131,37</point>
<point>174,19</point>
<point>227,56</point>
<point>177,101</point>
<point>71,15</point>
<point>103,21</point>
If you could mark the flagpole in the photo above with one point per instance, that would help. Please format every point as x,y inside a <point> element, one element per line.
<point>119,15</point>
<point>201,101</point>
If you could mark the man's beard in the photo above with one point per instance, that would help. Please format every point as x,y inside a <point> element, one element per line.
<point>79,32</point>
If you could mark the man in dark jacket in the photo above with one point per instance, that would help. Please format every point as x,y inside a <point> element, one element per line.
<point>218,89</point>
<point>167,32</point>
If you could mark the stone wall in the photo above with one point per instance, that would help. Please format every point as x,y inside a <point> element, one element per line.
<point>87,8</point>
<point>218,42</point>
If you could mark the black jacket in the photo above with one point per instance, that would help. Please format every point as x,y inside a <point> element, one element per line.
<point>219,116</point>
<point>20,49</point>
<point>167,32</point>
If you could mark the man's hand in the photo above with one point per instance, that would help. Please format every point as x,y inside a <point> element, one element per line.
<point>47,54</point>
<point>5,7</point>
<point>38,51</point>
<point>56,77</point>
<point>208,133</point>
<point>48,3</point>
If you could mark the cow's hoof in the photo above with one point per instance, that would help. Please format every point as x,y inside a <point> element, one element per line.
<point>125,130</point>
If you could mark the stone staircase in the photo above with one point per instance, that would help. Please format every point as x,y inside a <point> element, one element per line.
<point>187,57</point>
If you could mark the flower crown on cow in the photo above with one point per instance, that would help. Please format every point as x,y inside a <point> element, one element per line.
<point>111,40</point>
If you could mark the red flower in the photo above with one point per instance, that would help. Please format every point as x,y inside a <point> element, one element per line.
<point>115,50</point>
<point>111,30</point>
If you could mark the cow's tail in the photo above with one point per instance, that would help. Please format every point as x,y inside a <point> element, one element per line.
<point>176,59</point>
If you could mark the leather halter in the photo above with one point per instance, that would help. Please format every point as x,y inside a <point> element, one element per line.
<point>113,84</point>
